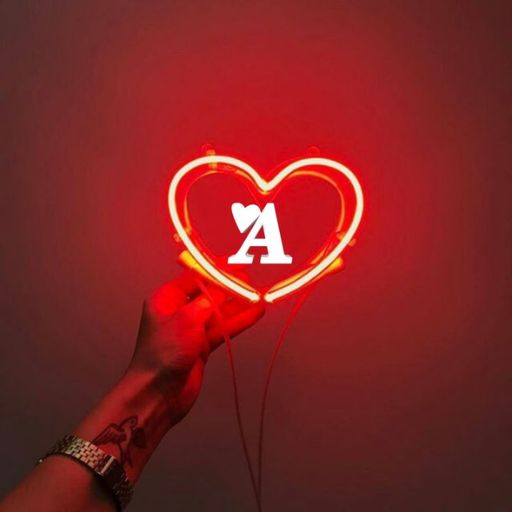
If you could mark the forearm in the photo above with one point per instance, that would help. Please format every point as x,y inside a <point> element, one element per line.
<point>177,333</point>
<point>61,483</point>
<point>136,407</point>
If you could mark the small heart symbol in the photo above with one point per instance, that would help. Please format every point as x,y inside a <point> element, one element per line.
<point>245,216</point>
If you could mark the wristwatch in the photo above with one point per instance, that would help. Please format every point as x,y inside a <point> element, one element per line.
<point>105,466</point>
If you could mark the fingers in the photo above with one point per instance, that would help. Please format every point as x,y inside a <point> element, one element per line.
<point>192,297</point>
<point>204,306</point>
<point>237,316</point>
<point>167,299</point>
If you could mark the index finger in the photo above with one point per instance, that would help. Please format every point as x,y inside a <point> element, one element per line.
<point>174,294</point>
<point>233,318</point>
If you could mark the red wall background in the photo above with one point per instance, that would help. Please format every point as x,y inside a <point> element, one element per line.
<point>393,391</point>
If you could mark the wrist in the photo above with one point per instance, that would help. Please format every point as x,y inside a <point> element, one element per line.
<point>176,389</point>
<point>129,422</point>
<point>141,390</point>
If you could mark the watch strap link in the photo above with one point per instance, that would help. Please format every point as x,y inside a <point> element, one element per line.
<point>105,466</point>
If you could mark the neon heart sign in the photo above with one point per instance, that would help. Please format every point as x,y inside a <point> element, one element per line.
<point>333,172</point>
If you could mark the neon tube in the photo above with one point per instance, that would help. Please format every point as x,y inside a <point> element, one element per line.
<point>265,187</point>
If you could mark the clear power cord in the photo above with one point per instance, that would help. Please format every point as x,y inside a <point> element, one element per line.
<point>264,398</point>
<point>229,350</point>
<point>256,481</point>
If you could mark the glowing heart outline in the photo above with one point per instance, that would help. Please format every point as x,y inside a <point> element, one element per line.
<point>265,187</point>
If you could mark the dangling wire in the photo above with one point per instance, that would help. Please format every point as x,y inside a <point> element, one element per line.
<point>277,347</point>
<point>241,431</point>
<point>256,480</point>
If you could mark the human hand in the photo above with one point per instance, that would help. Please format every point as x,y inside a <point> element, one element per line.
<point>178,331</point>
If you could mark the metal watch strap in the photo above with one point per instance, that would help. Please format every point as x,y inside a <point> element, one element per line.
<point>102,464</point>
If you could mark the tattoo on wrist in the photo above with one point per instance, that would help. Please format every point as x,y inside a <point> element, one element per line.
<point>123,435</point>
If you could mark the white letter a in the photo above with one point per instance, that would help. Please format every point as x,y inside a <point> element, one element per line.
<point>266,219</point>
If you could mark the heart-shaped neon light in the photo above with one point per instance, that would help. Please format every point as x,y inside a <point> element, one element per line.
<point>264,187</point>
